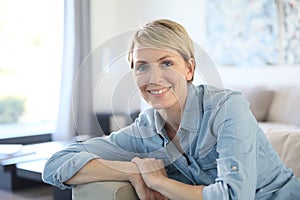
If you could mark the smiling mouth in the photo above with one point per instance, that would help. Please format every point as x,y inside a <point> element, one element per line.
<point>161,91</point>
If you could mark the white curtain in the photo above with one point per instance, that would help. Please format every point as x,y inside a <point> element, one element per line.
<point>76,116</point>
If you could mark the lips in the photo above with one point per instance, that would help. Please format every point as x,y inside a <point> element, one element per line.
<point>160,91</point>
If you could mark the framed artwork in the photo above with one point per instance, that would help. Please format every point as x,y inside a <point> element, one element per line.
<point>291,31</point>
<point>253,32</point>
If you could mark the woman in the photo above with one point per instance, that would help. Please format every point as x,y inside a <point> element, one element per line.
<point>196,142</point>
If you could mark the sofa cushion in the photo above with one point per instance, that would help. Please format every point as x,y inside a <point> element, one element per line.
<point>259,98</point>
<point>108,190</point>
<point>287,144</point>
<point>285,106</point>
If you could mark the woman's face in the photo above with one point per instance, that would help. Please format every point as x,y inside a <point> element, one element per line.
<point>161,76</point>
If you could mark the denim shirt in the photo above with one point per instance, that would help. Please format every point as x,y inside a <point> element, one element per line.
<point>224,149</point>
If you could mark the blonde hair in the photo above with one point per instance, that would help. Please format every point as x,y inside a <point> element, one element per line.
<point>165,34</point>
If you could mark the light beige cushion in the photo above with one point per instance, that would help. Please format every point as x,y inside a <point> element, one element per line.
<point>285,106</point>
<point>259,98</point>
<point>287,145</point>
<point>104,190</point>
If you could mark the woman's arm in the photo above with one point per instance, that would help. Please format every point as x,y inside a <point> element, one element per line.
<point>91,161</point>
<point>154,175</point>
<point>77,159</point>
<point>64,164</point>
<point>176,190</point>
<point>104,170</point>
<point>235,129</point>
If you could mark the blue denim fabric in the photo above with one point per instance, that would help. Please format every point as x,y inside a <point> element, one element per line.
<point>224,147</point>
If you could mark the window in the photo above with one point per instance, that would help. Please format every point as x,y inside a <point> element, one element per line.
<point>31,36</point>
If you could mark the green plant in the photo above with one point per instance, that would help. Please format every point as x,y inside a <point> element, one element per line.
<point>11,108</point>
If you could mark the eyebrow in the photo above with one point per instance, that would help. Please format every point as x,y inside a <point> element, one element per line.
<point>160,59</point>
<point>164,57</point>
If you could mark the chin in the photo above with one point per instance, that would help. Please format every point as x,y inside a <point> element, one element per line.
<point>160,106</point>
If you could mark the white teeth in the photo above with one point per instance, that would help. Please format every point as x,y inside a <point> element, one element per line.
<point>159,91</point>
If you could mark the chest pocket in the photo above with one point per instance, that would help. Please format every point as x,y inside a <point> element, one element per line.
<point>208,164</point>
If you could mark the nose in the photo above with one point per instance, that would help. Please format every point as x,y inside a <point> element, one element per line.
<point>155,74</point>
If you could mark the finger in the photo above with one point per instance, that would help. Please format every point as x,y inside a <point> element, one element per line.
<point>161,163</point>
<point>136,160</point>
<point>159,196</point>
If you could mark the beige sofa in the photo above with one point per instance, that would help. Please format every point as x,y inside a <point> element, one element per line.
<point>278,114</point>
<point>104,191</point>
<point>274,107</point>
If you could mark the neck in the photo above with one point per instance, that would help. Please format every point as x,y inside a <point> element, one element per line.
<point>172,116</point>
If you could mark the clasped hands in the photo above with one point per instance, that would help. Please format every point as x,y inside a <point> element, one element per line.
<point>147,182</point>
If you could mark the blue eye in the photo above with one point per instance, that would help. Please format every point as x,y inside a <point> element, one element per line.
<point>141,68</point>
<point>166,63</point>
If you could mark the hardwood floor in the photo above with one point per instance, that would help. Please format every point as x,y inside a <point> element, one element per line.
<point>36,193</point>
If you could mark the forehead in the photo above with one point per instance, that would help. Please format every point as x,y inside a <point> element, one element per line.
<point>141,52</point>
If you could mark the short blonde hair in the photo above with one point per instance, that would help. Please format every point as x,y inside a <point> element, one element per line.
<point>164,34</point>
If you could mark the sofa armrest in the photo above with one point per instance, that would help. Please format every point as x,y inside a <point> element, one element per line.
<point>104,190</point>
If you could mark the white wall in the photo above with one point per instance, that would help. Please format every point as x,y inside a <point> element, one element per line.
<point>112,17</point>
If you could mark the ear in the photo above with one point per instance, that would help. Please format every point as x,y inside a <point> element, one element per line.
<point>191,68</point>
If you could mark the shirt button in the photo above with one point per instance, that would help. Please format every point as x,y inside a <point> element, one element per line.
<point>173,159</point>
<point>234,168</point>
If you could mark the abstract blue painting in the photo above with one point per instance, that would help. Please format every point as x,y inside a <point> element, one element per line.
<point>242,32</point>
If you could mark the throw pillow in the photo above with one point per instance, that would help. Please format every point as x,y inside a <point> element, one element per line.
<point>287,144</point>
<point>285,106</point>
<point>259,98</point>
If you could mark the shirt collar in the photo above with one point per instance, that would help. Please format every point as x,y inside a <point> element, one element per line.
<point>192,109</point>
<point>159,121</point>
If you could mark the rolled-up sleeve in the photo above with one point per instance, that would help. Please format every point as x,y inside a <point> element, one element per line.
<point>62,165</point>
<point>236,132</point>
